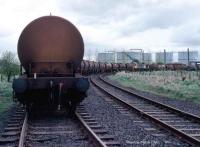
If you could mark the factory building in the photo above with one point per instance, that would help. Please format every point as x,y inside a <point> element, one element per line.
<point>164,57</point>
<point>125,57</point>
<point>187,56</point>
<point>128,57</point>
<point>147,58</point>
<point>106,57</point>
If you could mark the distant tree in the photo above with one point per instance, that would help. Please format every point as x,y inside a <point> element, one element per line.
<point>160,62</point>
<point>9,65</point>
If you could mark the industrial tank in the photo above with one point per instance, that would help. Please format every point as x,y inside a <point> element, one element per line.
<point>50,44</point>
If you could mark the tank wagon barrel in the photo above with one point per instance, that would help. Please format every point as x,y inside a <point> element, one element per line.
<point>50,49</point>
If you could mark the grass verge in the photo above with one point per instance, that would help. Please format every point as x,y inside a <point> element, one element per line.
<point>176,88</point>
<point>5,96</point>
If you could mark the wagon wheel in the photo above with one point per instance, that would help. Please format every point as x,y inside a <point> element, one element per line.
<point>67,107</point>
<point>72,109</point>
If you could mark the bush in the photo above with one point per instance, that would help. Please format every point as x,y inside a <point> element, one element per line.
<point>5,96</point>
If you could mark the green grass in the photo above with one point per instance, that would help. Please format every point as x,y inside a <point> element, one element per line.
<point>5,95</point>
<point>166,83</point>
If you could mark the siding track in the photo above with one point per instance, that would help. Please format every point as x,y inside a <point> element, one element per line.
<point>184,125</point>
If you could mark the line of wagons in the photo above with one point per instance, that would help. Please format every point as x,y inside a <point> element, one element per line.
<point>88,67</point>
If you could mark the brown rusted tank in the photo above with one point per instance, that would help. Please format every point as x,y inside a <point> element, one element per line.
<point>50,44</point>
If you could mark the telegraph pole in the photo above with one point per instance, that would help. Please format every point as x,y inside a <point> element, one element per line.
<point>164,56</point>
<point>188,55</point>
<point>142,56</point>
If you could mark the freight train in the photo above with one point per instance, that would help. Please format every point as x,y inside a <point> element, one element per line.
<point>89,67</point>
<point>50,49</point>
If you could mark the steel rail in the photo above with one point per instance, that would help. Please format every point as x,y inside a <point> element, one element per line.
<point>96,139</point>
<point>184,136</point>
<point>192,116</point>
<point>22,138</point>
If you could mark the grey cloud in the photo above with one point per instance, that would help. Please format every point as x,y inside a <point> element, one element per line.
<point>112,21</point>
<point>188,34</point>
<point>5,44</point>
<point>5,32</point>
<point>100,12</point>
<point>160,18</point>
<point>130,17</point>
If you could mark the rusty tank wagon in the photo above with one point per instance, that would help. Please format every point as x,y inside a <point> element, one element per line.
<point>50,49</point>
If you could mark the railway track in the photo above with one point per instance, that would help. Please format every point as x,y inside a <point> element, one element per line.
<point>10,136</point>
<point>83,130</point>
<point>184,125</point>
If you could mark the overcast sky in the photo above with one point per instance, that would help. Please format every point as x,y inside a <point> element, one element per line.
<point>105,25</point>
